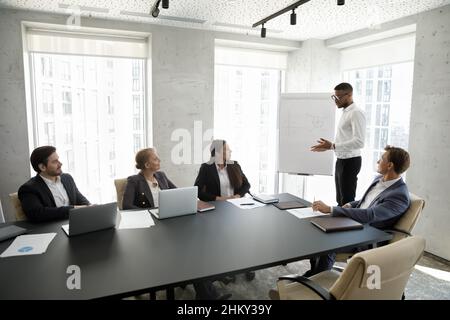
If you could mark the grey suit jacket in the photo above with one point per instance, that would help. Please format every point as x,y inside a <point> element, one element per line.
<point>137,192</point>
<point>385,209</point>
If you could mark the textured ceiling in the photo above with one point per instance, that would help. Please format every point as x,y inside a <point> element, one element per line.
<point>319,19</point>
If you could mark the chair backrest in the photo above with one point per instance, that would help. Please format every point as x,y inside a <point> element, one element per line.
<point>392,265</point>
<point>120,189</point>
<point>2,217</point>
<point>409,219</point>
<point>20,215</point>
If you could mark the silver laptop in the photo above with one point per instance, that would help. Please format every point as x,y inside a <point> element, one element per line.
<point>176,202</point>
<point>91,218</point>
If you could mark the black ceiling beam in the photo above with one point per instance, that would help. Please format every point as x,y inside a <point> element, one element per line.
<point>276,14</point>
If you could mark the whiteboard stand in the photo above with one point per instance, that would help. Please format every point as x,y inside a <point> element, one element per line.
<point>302,119</point>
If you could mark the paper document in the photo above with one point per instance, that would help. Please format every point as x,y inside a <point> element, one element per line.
<point>135,219</point>
<point>302,213</point>
<point>246,203</point>
<point>28,245</point>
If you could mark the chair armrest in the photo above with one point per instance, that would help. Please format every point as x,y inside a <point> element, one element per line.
<point>322,292</point>
<point>338,269</point>
<point>391,231</point>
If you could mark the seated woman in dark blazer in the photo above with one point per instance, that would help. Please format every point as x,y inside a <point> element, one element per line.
<point>142,189</point>
<point>220,179</point>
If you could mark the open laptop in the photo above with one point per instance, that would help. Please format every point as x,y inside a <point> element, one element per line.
<point>91,218</point>
<point>176,202</point>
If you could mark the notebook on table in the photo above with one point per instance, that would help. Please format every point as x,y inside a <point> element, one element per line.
<point>290,205</point>
<point>332,224</point>
<point>264,198</point>
<point>203,206</point>
<point>11,231</point>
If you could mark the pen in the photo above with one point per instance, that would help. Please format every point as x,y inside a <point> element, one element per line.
<point>247,204</point>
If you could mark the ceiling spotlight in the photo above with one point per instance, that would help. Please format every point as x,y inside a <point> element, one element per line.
<point>340,2</point>
<point>293,18</point>
<point>165,4</point>
<point>155,10</point>
<point>263,31</point>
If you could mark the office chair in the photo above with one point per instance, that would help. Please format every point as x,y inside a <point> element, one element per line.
<point>20,215</point>
<point>2,217</point>
<point>120,189</point>
<point>377,274</point>
<point>401,229</point>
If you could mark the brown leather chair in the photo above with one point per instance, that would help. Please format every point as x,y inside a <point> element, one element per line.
<point>20,215</point>
<point>120,189</point>
<point>395,263</point>
<point>402,228</point>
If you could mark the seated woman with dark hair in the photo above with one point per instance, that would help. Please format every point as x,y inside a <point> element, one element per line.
<point>220,179</point>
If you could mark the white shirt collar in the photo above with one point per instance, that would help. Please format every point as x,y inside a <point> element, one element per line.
<point>219,169</point>
<point>389,183</point>
<point>349,108</point>
<point>46,180</point>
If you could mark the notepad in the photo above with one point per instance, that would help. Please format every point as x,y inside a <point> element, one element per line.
<point>135,219</point>
<point>11,231</point>
<point>290,205</point>
<point>332,224</point>
<point>303,213</point>
<point>29,245</point>
<point>203,206</point>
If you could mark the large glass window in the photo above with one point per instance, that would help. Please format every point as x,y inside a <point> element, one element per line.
<point>387,103</point>
<point>88,119</point>
<point>245,114</point>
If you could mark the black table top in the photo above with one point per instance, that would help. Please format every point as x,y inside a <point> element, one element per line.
<point>173,252</point>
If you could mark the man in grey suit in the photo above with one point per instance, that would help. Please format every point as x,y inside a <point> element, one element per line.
<point>384,202</point>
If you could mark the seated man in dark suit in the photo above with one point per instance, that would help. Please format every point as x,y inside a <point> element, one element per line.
<point>382,205</point>
<point>50,194</point>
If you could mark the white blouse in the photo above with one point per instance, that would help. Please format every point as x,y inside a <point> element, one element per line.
<point>154,189</point>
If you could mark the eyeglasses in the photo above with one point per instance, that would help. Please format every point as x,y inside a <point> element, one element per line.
<point>337,98</point>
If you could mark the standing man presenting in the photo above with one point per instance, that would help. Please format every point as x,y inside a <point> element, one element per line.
<point>348,143</point>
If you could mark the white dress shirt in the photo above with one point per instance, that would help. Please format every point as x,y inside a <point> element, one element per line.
<point>226,189</point>
<point>58,191</point>
<point>351,132</point>
<point>154,189</point>
<point>376,191</point>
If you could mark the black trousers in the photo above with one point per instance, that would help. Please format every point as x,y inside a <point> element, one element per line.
<point>346,177</point>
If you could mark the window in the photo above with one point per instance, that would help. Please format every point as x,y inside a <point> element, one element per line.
<point>67,101</point>
<point>47,67</point>
<point>49,133</point>
<point>110,105</point>
<point>137,143</point>
<point>136,104</point>
<point>80,74</point>
<point>136,85</point>
<point>136,70</point>
<point>87,123</point>
<point>65,70</point>
<point>68,136</point>
<point>246,105</point>
<point>136,123</point>
<point>387,103</point>
<point>70,164</point>
<point>47,99</point>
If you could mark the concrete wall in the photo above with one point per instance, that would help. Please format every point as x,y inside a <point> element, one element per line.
<point>313,68</point>
<point>429,175</point>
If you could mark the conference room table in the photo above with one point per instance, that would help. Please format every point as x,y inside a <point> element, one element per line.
<point>117,263</point>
